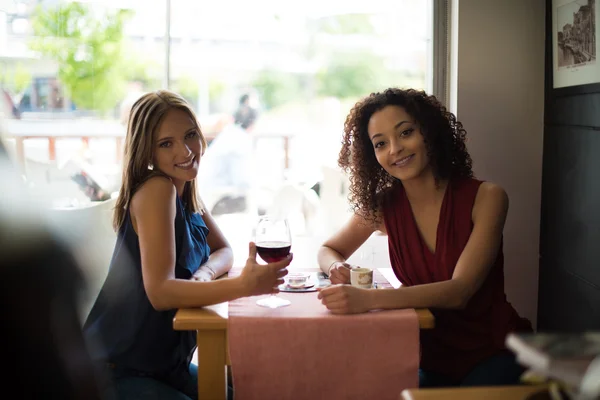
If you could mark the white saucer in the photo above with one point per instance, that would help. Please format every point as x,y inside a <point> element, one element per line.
<point>303,286</point>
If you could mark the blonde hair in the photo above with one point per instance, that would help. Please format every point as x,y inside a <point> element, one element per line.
<point>144,119</point>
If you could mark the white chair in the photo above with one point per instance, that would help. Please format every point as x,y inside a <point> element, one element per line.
<point>334,198</point>
<point>49,184</point>
<point>88,231</point>
<point>299,204</point>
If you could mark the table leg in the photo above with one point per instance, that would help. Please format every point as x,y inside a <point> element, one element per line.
<point>212,383</point>
<point>85,142</point>
<point>52,148</point>
<point>20,150</point>
<point>286,152</point>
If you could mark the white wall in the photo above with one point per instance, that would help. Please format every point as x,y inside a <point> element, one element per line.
<point>499,89</point>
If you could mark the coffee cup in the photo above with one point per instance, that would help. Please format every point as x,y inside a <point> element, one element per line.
<point>297,280</point>
<point>361,277</point>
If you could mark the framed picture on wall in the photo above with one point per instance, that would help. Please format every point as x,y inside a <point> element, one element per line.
<point>575,43</point>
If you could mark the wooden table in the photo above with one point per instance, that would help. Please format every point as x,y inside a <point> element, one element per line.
<point>520,392</point>
<point>211,326</point>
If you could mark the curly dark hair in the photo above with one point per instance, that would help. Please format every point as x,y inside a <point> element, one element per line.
<point>444,138</point>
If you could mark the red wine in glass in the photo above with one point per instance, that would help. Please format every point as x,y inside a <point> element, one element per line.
<point>273,243</point>
<point>273,251</point>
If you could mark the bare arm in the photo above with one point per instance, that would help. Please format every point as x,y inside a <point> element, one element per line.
<point>472,268</point>
<point>153,212</point>
<point>332,255</point>
<point>221,255</point>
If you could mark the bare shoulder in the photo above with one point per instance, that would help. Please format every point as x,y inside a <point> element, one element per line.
<point>489,191</point>
<point>157,191</point>
<point>491,199</point>
<point>368,224</point>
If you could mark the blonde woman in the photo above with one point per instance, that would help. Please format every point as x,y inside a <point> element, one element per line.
<point>168,253</point>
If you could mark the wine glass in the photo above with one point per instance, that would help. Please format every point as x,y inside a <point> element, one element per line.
<point>273,243</point>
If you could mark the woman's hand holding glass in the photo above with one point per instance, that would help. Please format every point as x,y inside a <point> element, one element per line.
<point>263,279</point>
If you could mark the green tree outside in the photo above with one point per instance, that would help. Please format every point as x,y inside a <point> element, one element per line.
<point>276,87</point>
<point>346,75</point>
<point>141,68</point>
<point>21,78</point>
<point>187,87</point>
<point>17,79</point>
<point>351,76</point>
<point>88,50</point>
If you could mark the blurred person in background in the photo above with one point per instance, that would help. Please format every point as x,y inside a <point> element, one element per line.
<point>8,109</point>
<point>226,178</point>
<point>40,287</point>
<point>39,293</point>
<point>246,113</point>
<point>169,252</point>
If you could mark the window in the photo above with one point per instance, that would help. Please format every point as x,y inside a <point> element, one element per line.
<point>72,69</point>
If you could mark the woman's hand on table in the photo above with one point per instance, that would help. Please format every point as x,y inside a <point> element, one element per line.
<point>260,279</point>
<point>203,275</point>
<point>344,299</point>
<point>339,273</point>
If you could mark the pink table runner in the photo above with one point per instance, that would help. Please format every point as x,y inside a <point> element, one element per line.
<point>302,351</point>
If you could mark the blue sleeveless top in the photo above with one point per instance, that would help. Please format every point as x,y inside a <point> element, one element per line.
<point>123,328</point>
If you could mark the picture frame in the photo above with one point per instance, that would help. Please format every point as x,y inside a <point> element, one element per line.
<point>575,44</point>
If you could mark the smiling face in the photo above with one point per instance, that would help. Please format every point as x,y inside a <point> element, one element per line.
<point>178,148</point>
<point>398,143</point>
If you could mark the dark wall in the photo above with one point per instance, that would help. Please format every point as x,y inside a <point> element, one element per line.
<point>569,278</point>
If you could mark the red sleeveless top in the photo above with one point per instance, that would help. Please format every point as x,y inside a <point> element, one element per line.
<point>461,338</point>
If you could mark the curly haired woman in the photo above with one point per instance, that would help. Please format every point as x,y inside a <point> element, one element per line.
<point>411,178</point>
